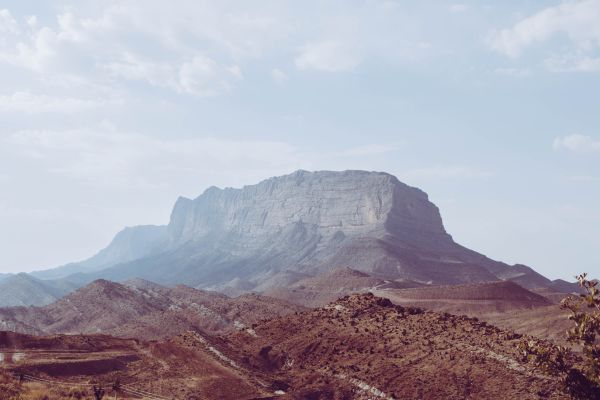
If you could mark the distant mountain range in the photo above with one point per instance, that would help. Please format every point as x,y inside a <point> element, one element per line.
<point>289,228</point>
<point>25,290</point>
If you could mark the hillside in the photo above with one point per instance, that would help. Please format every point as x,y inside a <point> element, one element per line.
<point>359,347</point>
<point>329,286</point>
<point>365,347</point>
<point>142,310</point>
<point>470,299</point>
<point>291,227</point>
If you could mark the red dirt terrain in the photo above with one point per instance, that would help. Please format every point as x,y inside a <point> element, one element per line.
<point>153,370</point>
<point>359,347</point>
<point>363,346</point>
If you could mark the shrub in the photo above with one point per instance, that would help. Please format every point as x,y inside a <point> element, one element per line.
<point>579,374</point>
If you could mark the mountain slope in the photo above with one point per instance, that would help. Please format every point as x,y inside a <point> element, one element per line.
<point>129,244</point>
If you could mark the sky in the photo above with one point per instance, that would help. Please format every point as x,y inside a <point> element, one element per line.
<point>110,110</point>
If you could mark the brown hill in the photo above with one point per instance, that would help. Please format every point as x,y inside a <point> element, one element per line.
<point>503,304</point>
<point>327,287</point>
<point>144,310</point>
<point>467,299</point>
<point>363,346</point>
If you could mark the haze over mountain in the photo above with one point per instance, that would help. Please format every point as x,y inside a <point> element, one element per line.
<point>288,228</point>
<point>24,290</point>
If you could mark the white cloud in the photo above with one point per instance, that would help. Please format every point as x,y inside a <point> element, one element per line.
<point>368,150</point>
<point>106,156</point>
<point>573,63</point>
<point>577,143</point>
<point>329,56</point>
<point>279,76</point>
<point>458,8</point>
<point>30,103</point>
<point>8,24</point>
<point>202,76</point>
<point>514,72</point>
<point>445,172</point>
<point>578,20</point>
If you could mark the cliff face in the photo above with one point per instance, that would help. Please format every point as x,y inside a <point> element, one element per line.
<point>350,203</point>
<point>286,228</point>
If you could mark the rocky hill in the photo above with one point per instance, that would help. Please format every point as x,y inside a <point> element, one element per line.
<point>363,346</point>
<point>287,228</point>
<point>143,310</point>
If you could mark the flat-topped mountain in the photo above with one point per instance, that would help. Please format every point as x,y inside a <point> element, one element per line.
<point>297,226</point>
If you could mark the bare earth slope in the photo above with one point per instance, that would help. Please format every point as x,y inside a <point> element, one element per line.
<point>365,347</point>
<point>69,365</point>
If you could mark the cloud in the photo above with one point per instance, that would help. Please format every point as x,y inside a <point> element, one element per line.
<point>367,150</point>
<point>8,24</point>
<point>445,172</point>
<point>513,72</point>
<point>30,103</point>
<point>279,76</point>
<point>573,63</point>
<point>105,155</point>
<point>202,76</point>
<point>577,20</point>
<point>458,8</point>
<point>329,56</point>
<point>576,143</point>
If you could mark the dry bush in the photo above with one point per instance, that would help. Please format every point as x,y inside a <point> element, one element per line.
<point>579,373</point>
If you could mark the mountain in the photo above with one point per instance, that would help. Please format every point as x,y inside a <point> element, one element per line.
<point>142,309</point>
<point>129,244</point>
<point>24,290</point>
<point>288,228</point>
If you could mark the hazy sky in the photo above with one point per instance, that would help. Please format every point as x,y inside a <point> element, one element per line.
<point>109,110</point>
